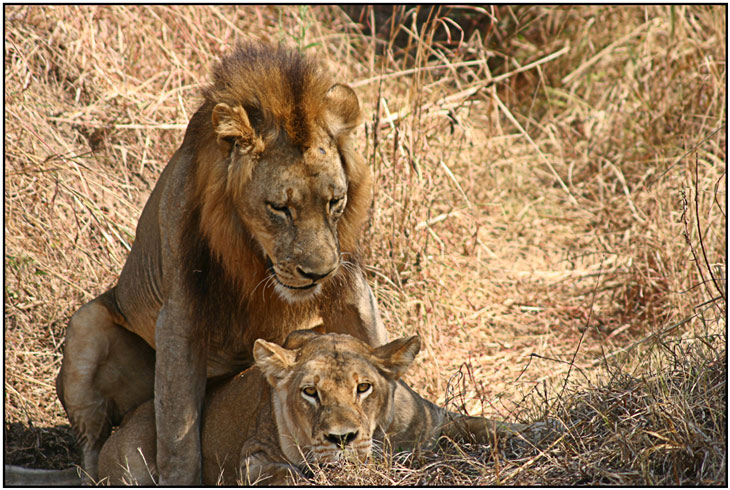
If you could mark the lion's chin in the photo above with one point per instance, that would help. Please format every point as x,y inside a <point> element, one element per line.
<point>297,295</point>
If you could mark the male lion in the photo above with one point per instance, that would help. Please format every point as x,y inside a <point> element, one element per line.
<point>317,399</point>
<point>251,232</point>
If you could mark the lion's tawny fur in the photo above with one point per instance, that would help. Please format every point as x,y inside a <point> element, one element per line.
<point>283,95</point>
<point>250,232</point>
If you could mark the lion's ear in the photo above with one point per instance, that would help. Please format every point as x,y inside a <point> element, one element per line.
<point>232,124</point>
<point>273,360</point>
<point>342,110</point>
<point>397,356</point>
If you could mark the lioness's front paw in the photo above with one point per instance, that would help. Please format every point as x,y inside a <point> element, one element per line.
<point>284,474</point>
<point>537,435</point>
<point>546,431</point>
<point>271,474</point>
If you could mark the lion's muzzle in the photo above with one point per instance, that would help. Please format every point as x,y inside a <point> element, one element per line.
<point>300,280</point>
<point>314,275</point>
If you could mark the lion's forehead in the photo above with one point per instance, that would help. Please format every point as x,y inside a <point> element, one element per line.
<point>304,174</point>
<point>319,148</point>
<point>320,175</point>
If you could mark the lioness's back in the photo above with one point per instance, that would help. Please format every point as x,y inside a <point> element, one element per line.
<point>235,411</point>
<point>317,399</point>
<point>241,414</point>
<point>129,456</point>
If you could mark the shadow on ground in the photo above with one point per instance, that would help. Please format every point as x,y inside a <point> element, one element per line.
<point>35,447</point>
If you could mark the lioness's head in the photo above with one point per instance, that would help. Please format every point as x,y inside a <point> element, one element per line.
<point>331,391</point>
<point>285,170</point>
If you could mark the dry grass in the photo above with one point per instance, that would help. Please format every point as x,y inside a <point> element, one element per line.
<point>550,214</point>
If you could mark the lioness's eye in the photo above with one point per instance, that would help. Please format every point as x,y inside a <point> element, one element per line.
<point>363,387</point>
<point>310,391</point>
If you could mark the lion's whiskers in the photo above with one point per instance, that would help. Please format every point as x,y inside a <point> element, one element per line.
<point>346,264</point>
<point>270,281</point>
<point>266,278</point>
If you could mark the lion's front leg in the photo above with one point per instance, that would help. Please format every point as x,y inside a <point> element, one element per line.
<point>179,391</point>
<point>356,313</point>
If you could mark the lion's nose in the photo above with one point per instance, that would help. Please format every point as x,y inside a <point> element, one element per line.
<point>341,440</point>
<point>313,276</point>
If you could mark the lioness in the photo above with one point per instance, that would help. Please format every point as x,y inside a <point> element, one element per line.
<point>243,237</point>
<point>314,400</point>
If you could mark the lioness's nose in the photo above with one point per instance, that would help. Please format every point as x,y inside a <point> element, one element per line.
<point>313,276</point>
<point>341,439</point>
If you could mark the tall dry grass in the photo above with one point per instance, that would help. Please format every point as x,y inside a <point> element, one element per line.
<point>549,213</point>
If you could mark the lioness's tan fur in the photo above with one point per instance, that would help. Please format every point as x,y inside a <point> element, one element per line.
<point>260,427</point>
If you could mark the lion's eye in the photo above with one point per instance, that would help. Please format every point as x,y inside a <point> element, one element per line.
<point>337,205</point>
<point>364,387</point>
<point>310,391</point>
<point>279,209</point>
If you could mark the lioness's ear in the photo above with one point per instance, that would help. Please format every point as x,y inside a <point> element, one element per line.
<point>232,124</point>
<point>397,356</point>
<point>273,360</point>
<point>342,110</point>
